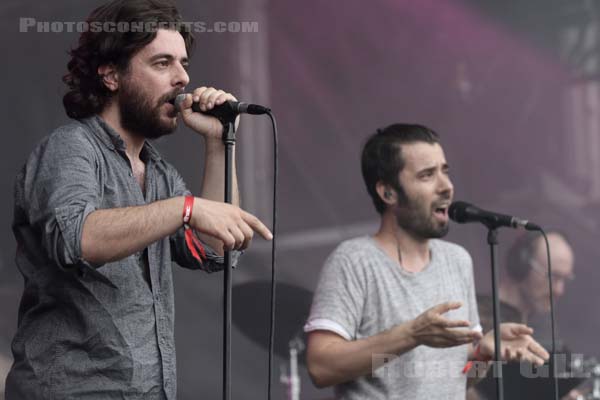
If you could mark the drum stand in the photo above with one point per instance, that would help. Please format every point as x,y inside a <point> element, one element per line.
<point>596,387</point>
<point>292,381</point>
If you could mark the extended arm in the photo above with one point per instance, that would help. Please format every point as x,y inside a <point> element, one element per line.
<point>113,234</point>
<point>332,360</point>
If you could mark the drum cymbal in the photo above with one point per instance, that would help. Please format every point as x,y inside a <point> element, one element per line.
<point>251,307</point>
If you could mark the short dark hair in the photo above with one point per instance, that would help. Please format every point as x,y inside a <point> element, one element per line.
<point>382,156</point>
<point>87,93</point>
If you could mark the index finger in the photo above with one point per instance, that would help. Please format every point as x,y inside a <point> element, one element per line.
<point>520,329</point>
<point>221,98</point>
<point>454,323</point>
<point>538,350</point>
<point>464,335</point>
<point>447,306</point>
<point>257,225</point>
<point>196,93</point>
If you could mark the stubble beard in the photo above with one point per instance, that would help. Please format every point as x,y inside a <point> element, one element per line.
<point>418,222</point>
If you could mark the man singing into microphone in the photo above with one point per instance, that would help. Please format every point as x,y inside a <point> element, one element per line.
<point>99,217</point>
<point>394,315</point>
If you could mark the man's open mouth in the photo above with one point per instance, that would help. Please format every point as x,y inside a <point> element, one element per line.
<point>441,211</point>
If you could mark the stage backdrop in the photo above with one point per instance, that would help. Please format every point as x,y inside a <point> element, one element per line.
<point>501,99</point>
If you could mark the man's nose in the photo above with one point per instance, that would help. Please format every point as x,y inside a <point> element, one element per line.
<point>445,184</point>
<point>181,77</point>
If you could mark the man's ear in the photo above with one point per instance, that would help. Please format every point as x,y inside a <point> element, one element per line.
<point>110,76</point>
<point>386,193</point>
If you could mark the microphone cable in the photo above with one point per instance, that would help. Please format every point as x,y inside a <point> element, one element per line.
<point>552,318</point>
<point>273,253</point>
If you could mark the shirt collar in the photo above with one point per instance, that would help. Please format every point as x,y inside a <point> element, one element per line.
<point>113,140</point>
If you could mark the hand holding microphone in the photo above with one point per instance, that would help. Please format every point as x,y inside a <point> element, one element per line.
<point>197,108</point>
<point>194,108</point>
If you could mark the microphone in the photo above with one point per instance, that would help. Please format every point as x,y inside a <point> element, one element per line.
<point>224,112</point>
<point>463,212</point>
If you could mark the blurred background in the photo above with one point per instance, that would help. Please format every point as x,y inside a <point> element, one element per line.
<point>511,86</point>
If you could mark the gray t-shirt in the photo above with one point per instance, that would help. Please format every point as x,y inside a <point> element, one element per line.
<point>363,292</point>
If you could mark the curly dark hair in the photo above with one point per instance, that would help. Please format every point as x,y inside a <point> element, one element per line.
<point>98,46</point>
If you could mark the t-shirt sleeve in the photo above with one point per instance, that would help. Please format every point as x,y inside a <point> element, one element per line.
<point>339,298</point>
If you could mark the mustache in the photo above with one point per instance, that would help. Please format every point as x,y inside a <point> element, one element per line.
<point>170,96</point>
<point>444,200</point>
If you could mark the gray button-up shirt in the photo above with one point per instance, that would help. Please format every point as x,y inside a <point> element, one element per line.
<point>97,332</point>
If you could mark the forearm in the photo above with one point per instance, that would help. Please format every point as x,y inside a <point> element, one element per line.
<point>478,369</point>
<point>113,234</point>
<point>481,373</point>
<point>478,372</point>
<point>333,362</point>
<point>213,186</point>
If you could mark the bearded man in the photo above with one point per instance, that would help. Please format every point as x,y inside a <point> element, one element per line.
<point>99,216</point>
<point>394,315</point>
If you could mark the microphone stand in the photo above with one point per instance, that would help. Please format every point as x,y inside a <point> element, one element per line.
<point>228,138</point>
<point>492,240</point>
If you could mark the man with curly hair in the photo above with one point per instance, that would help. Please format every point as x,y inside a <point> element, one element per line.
<point>99,217</point>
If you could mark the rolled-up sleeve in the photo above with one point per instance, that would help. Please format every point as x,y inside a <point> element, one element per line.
<point>58,190</point>
<point>179,250</point>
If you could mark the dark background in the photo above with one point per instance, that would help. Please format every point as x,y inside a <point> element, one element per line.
<point>495,79</point>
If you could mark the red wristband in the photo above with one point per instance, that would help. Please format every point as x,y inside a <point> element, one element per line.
<point>188,206</point>
<point>191,240</point>
<point>476,355</point>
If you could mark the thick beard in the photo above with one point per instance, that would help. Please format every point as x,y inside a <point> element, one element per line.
<point>417,221</point>
<point>138,115</point>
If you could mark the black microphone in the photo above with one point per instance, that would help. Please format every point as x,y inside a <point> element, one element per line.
<point>463,212</point>
<point>224,112</point>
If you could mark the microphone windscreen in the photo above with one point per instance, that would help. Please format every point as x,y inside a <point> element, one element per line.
<point>457,211</point>
<point>178,100</point>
